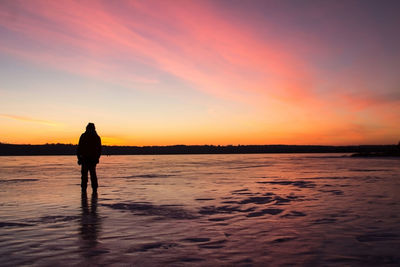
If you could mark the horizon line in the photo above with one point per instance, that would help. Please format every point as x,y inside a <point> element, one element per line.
<point>234,145</point>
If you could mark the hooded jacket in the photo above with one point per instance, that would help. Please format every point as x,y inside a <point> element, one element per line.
<point>89,147</point>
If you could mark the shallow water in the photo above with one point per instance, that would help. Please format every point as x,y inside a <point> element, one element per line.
<point>261,209</point>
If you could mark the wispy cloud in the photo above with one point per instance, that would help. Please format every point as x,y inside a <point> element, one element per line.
<point>206,51</point>
<point>29,119</point>
<point>289,67</point>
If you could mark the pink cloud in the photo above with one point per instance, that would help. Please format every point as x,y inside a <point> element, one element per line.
<point>205,50</point>
<point>140,41</point>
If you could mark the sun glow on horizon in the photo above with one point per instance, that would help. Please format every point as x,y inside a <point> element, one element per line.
<point>208,72</point>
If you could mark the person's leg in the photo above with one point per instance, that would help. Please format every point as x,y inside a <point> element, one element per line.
<point>84,177</point>
<point>93,176</point>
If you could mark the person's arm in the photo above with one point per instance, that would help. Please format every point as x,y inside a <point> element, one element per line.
<point>78,150</point>
<point>98,148</point>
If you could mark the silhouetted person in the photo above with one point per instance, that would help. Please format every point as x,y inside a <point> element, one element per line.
<point>88,152</point>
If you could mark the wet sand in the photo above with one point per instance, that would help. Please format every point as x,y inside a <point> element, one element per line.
<point>294,209</point>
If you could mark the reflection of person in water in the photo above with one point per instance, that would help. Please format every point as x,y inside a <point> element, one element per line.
<point>88,152</point>
<point>90,222</point>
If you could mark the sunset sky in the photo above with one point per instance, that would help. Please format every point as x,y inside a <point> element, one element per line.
<point>200,72</point>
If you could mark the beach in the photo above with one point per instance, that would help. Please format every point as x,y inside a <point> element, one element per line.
<point>207,210</point>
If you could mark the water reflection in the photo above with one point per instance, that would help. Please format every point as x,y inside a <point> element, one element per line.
<point>90,224</point>
<point>204,210</point>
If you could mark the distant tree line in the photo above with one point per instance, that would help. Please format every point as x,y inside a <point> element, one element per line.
<point>69,149</point>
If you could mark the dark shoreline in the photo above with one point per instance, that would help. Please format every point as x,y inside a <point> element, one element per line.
<point>69,149</point>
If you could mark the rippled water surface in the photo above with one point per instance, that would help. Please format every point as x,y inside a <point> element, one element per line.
<point>264,209</point>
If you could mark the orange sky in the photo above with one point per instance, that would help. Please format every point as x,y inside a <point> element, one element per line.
<point>200,72</point>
